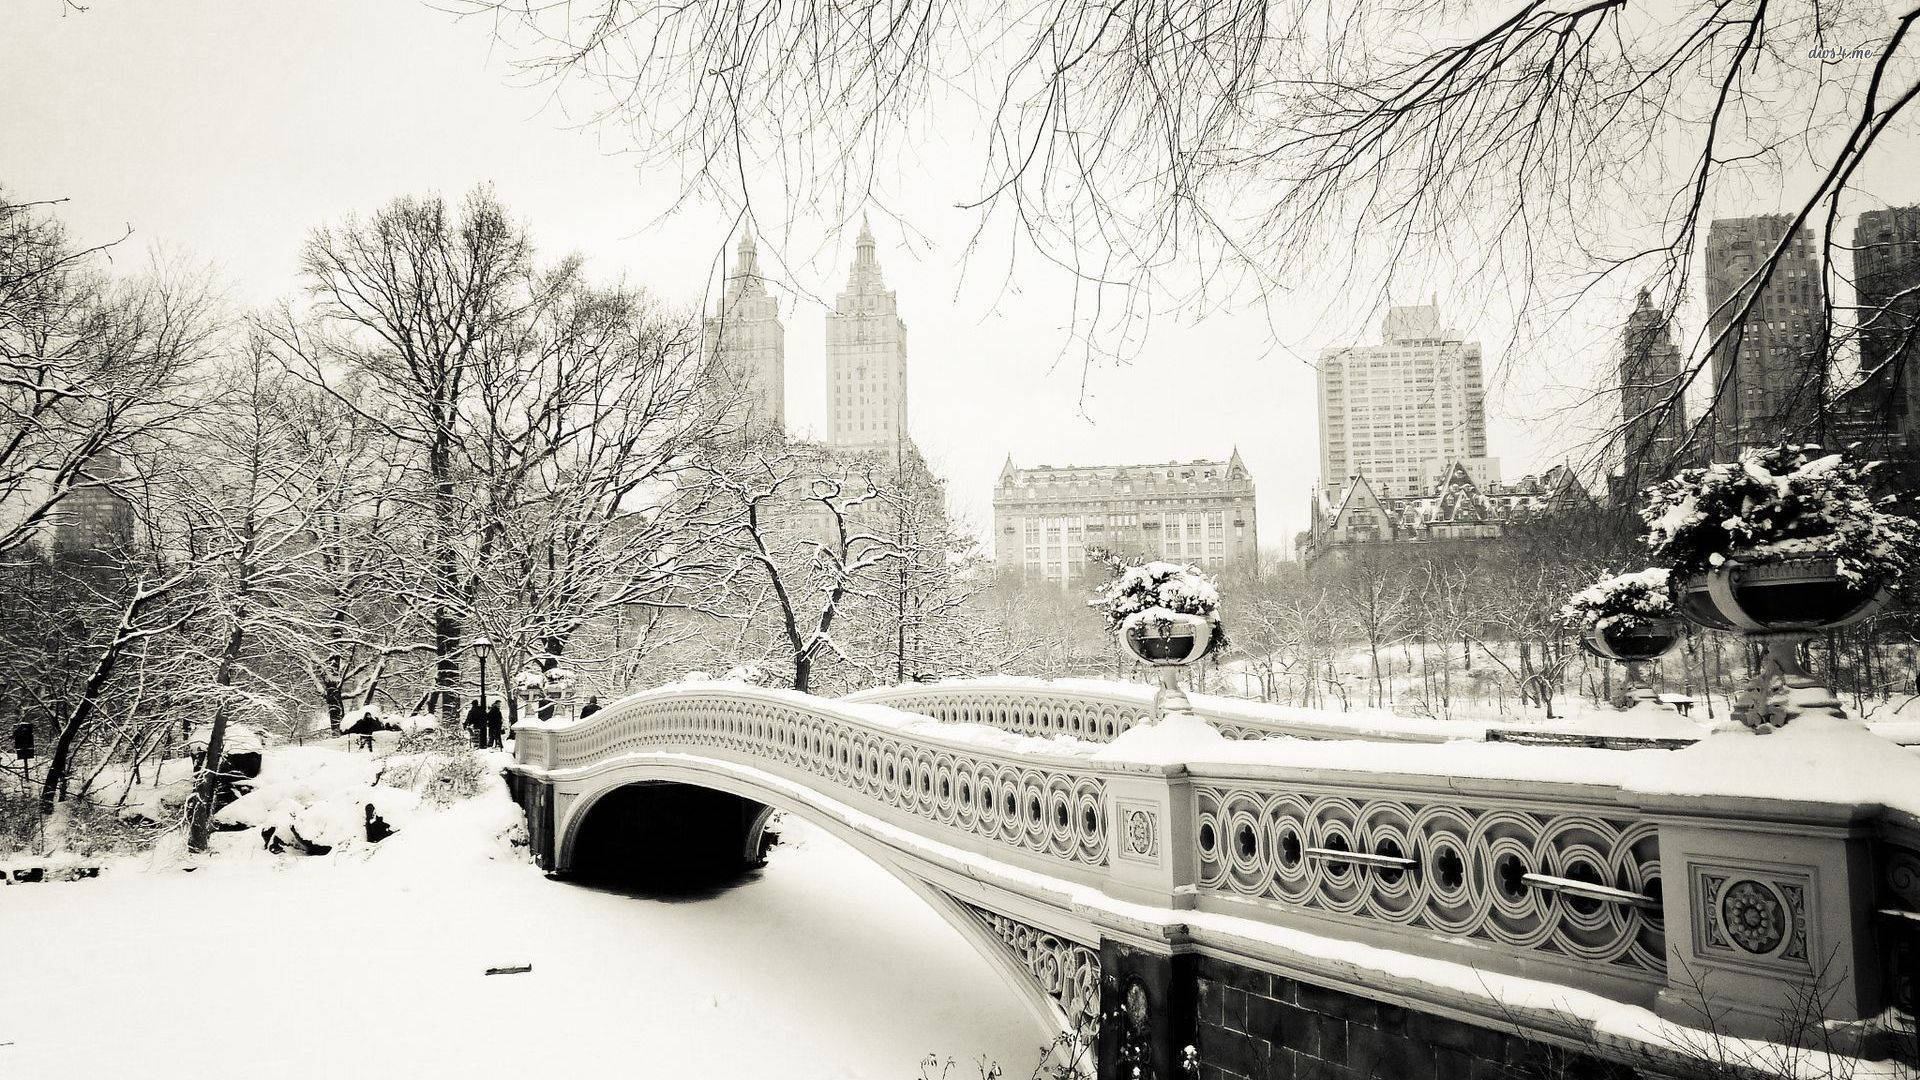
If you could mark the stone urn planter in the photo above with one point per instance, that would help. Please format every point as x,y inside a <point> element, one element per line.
<point>1785,543</point>
<point>1633,645</point>
<point>1649,640</point>
<point>1799,597</point>
<point>1629,619</point>
<point>1781,605</point>
<point>1168,641</point>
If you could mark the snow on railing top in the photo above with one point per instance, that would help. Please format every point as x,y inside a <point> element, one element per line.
<point>879,717</point>
<point>1845,764</point>
<point>1025,704</point>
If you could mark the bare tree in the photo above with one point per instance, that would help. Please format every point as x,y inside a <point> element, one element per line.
<point>1373,598</point>
<point>93,370</point>
<point>589,526</point>
<point>792,539</point>
<point>1546,148</point>
<point>438,327</point>
<point>241,503</point>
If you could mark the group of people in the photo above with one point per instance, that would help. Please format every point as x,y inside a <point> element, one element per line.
<point>486,726</point>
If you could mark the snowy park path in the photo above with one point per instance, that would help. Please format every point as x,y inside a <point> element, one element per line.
<point>822,966</point>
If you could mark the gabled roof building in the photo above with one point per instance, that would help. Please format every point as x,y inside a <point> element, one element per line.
<point>1456,510</point>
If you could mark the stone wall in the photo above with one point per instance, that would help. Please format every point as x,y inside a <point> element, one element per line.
<point>1256,1026</point>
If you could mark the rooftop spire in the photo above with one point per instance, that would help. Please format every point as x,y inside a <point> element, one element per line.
<point>743,277</point>
<point>865,275</point>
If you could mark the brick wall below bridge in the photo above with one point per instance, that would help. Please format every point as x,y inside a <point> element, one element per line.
<point>1256,1026</point>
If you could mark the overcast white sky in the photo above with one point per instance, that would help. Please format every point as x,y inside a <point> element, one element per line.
<point>225,130</point>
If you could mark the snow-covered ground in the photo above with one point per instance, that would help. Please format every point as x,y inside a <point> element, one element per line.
<point>819,966</point>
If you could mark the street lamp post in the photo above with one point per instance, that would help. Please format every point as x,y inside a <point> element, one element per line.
<point>481,647</point>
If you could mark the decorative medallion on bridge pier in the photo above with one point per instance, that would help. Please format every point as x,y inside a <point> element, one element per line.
<point>1581,885</point>
<point>1903,878</point>
<point>1140,828</point>
<point>1745,916</point>
<point>1067,971</point>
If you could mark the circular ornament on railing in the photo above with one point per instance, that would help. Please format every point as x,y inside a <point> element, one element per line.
<point>1753,916</point>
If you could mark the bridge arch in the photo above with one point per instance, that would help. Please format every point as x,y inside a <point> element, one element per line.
<point>1061,995</point>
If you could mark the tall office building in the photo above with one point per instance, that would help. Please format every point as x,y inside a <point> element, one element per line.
<point>866,359</point>
<point>1769,373</point>
<point>749,343</point>
<point>1201,512</point>
<point>1653,418</point>
<point>1402,412</point>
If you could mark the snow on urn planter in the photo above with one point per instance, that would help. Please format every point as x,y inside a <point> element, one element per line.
<point>1779,547</point>
<point>1166,616</point>
<point>1628,618</point>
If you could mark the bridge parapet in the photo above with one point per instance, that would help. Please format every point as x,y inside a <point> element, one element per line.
<point>1099,711</point>
<point>1556,865</point>
<point>1017,795</point>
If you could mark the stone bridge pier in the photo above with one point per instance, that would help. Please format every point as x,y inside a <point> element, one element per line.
<point>1359,909</point>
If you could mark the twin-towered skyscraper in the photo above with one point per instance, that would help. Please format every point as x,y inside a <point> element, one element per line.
<point>866,352</point>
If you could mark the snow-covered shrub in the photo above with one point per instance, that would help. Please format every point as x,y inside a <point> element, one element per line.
<point>1626,601</point>
<point>1774,504</point>
<point>1156,589</point>
<point>236,739</point>
<point>441,778</point>
<point>745,673</point>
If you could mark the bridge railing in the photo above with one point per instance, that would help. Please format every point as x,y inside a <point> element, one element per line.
<point>1542,862</point>
<point>1100,710</point>
<point>1043,805</point>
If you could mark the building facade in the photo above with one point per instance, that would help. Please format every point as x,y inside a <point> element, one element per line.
<point>746,339</point>
<point>1769,373</point>
<point>866,359</point>
<point>1456,510</point>
<point>1653,415</point>
<point>1404,410</point>
<point>1883,410</point>
<point>93,524</point>
<point>1202,512</point>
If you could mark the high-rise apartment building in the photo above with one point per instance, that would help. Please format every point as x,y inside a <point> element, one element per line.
<point>1769,372</point>
<point>1402,412</point>
<point>1200,512</point>
<point>866,359</point>
<point>93,524</point>
<point>1886,283</point>
<point>1653,418</point>
<point>749,343</point>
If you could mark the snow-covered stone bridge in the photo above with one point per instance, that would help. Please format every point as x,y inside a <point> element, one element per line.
<point>1315,895</point>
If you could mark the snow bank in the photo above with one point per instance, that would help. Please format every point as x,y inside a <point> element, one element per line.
<point>237,739</point>
<point>321,800</point>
